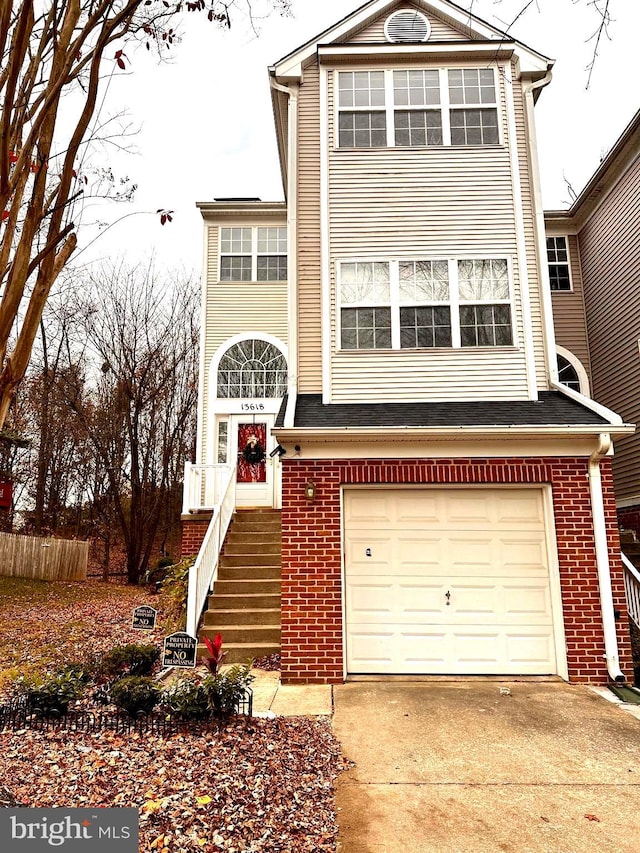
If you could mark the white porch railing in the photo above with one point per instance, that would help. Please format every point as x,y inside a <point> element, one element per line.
<point>632,589</point>
<point>203,573</point>
<point>203,486</point>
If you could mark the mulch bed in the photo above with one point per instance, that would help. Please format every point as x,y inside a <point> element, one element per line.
<point>255,785</point>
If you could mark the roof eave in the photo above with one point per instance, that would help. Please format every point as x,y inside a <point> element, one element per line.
<point>408,433</point>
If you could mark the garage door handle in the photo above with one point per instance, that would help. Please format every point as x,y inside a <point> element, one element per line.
<point>447,595</point>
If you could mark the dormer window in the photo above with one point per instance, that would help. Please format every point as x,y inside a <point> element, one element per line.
<point>417,108</point>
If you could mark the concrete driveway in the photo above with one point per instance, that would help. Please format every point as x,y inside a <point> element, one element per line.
<point>468,767</point>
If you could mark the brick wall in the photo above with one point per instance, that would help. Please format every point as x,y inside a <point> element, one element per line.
<point>193,531</point>
<point>312,648</point>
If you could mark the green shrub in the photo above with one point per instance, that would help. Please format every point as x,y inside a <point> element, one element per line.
<point>225,689</point>
<point>173,595</point>
<point>131,659</point>
<point>49,694</point>
<point>186,699</point>
<point>135,694</point>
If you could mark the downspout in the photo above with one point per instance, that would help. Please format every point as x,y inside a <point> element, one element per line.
<point>292,242</point>
<point>541,240</point>
<point>602,559</point>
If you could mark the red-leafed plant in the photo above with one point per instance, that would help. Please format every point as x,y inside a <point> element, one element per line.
<point>216,655</point>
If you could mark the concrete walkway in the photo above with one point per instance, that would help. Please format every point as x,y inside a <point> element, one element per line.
<point>272,699</point>
<point>486,767</point>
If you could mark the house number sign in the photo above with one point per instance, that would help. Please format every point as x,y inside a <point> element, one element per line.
<point>252,407</point>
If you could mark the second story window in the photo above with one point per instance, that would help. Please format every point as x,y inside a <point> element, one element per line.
<point>365,317</point>
<point>402,304</point>
<point>417,108</point>
<point>558,258</point>
<point>253,254</point>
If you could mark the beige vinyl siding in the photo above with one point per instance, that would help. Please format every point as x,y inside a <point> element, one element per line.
<point>569,317</point>
<point>433,202</point>
<point>406,376</point>
<point>610,257</point>
<point>309,279</point>
<point>534,279</point>
<point>233,308</point>
<point>374,31</point>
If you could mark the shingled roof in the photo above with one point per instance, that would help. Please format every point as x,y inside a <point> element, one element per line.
<point>552,409</point>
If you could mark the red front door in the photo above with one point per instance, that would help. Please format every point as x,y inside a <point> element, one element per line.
<point>252,447</point>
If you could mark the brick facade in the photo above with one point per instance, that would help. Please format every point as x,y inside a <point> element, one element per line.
<point>312,639</point>
<point>193,532</point>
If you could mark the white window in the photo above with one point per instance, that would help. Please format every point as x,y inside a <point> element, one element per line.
<point>485,304</point>
<point>252,368</point>
<point>407,304</point>
<point>417,108</point>
<point>362,121</point>
<point>223,438</point>
<point>253,254</point>
<point>365,316</point>
<point>558,258</point>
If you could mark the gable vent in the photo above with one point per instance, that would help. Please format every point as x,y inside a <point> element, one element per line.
<point>407,25</point>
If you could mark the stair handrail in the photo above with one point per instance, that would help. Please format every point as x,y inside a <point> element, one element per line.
<point>203,573</point>
<point>632,588</point>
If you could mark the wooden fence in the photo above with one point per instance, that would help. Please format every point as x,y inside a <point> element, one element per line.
<point>43,559</point>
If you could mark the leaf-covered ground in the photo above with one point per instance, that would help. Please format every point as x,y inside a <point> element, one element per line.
<point>261,785</point>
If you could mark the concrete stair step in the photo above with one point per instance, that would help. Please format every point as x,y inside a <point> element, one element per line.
<point>249,601</point>
<point>243,548</point>
<point>257,527</point>
<point>243,633</point>
<point>246,586</point>
<point>242,652</point>
<point>255,538</point>
<point>250,560</point>
<point>238,573</point>
<point>242,615</point>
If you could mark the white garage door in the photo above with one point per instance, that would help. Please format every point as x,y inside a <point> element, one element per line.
<point>447,581</point>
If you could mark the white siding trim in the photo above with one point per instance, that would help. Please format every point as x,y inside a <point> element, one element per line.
<point>201,426</point>
<point>292,261</point>
<point>546,303</point>
<point>555,587</point>
<point>325,272</point>
<point>520,235</point>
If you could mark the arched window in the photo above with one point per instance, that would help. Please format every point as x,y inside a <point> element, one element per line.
<point>567,374</point>
<point>252,368</point>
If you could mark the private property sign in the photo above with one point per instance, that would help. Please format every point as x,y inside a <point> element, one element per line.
<point>179,650</point>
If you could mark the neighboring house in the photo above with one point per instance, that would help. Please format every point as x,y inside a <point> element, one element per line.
<point>594,256</point>
<point>447,503</point>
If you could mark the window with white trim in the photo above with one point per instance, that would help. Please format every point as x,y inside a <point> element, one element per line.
<point>417,107</point>
<point>250,253</point>
<point>567,374</point>
<point>253,369</point>
<point>558,257</point>
<point>413,304</point>
<point>485,303</point>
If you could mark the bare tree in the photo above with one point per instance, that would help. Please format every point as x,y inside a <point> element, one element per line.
<point>54,56</point>
<point>140,414</point>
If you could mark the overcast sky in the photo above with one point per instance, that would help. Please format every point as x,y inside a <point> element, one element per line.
<point>206,124</point>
